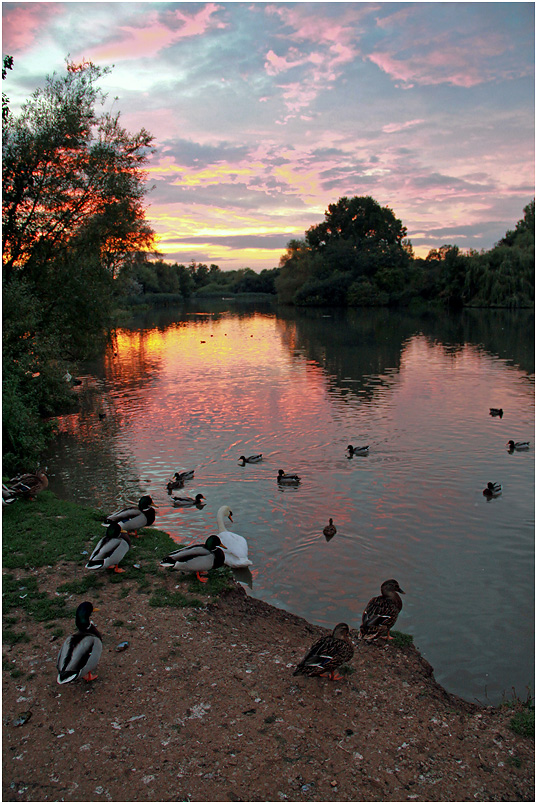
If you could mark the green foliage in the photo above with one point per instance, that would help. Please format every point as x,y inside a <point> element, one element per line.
<point>523,722</point>
<point>400,639</point>
<point>72,189</point>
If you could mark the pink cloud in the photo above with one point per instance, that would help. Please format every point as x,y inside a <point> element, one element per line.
<point>156,33</point>
<point>22,23</point>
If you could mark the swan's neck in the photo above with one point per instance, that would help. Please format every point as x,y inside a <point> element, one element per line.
<point>220,519</point>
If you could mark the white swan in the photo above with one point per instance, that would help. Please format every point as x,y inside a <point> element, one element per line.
<point>236,546</point>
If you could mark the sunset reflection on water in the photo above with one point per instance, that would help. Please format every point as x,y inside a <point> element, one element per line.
<point>198,392</point>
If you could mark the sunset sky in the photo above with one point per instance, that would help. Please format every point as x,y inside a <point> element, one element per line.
<point>265,113</point>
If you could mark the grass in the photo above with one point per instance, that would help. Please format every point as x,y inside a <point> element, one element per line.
<point>38,535</point>
<point>523,720</point>
<point>401,640</point>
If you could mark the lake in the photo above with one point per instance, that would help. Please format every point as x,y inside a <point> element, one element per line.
<point>196,387</point>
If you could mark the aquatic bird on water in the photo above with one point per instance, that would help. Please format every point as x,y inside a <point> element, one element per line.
<point>187,502</point>
<point>251,459</point>
<point>178,480</point>
<point>496,412</point>
<point>358,450</point>
<point>133,518</point>
<point>518,445</point>
<point>327,654</point>
<point>381,612</point>
<point>80,653</point>
<point>200,558</point>
<point>235,545</point>
<point>330,530</point>
<point>114,546</point>
<point>289,480</point>
<point>28,485</point>
<point>492,490</point>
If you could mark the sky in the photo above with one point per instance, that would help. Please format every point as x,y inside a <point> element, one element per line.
<point>263,114</point>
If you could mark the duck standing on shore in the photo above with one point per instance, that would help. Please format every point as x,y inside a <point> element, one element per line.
<point>200,558</point>
<point>133,518</point>
<point>114,546</point>
<point>381,612</point>
<point>80,653</point>
<point>327,654</point>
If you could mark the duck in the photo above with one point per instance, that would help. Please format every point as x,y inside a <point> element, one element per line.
<point>330,530</point>
<point>8,496</point>
<point>496,412</point>
<point>327,654</point>
<point>200,558</point>
<point>251,459</point>
<point>80,653</point>
<point>492,490</point>
<point>178,480</point>
<point>358,450</point>
<point>290,480</point>
<point>186,502</point>
<point>381,612</point>
<point>133,518</point>
<point>110,550</point>
<point>517,445</point>
<point>235,545</point>
<point>28,485</point>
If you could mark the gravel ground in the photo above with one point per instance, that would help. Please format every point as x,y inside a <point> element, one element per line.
<point>203,706</point>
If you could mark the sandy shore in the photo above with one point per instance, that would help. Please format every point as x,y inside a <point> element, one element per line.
<point>203,706</point>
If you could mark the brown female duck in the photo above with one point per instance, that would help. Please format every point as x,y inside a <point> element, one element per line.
<point>327,654</point>
<point>381,612</point>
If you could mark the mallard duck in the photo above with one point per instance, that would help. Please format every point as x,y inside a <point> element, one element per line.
<point>178,480</point>
<point>251,459</point>
<point>7,496</point>
<point>186,502</point>
<point>28,485</point>
<point>133,518</point>
<point>492,490</point>
<point>327,654</point>
<point>200,558</point>
<point>290,480</point>
<point>235,545</point>
<point>381,612</point>
<point>358,450</point>
<point>80,653</point>
<point>330,530</point>
<point>518,445</point>
<point>110,550</point>
<point>496,412</point>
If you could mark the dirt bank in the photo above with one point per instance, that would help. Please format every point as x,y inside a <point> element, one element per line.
<point>203,706</point>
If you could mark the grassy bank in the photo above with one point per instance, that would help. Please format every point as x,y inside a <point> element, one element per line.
<point>38,536</point>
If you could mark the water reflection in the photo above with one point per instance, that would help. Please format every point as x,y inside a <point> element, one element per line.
<point>198,388</point>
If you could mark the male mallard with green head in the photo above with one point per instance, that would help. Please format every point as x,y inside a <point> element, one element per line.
<point>80,653</point>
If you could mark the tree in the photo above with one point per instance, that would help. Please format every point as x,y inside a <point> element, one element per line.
<point>359,219</point>
<point>71,178</point>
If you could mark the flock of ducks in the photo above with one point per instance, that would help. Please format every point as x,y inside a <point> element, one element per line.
<point>80,653</point>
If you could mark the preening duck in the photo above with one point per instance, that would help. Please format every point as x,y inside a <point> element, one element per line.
<point>492,490</point>
<point>200,558</point>
<point>327,654</point>
<point>496,412</point>
<point>28,485</point>
<point>187,502</point>
<point>330,530</point>
<point>381,612</point>
<point>178,480</point>
<point>80,653</point>
<point>251,459</point>
<point>133,518</point>
<point>517,445</point>
<point>236,546</point>
<point>290,480</point>
<point>114,546</point>
<point>357,450</point>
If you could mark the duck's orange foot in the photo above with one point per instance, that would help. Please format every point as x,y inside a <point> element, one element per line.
<point>117,569</point>
<point>335,676</point>
<point>202,578</point>
<point>90,676</point>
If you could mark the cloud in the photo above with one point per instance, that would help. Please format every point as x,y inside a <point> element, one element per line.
<point>22,23</point>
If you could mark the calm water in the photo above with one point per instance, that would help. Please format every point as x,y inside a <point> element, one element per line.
<point>195,389</point>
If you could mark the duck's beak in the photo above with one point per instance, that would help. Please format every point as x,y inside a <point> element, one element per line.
<point>401,590</point>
